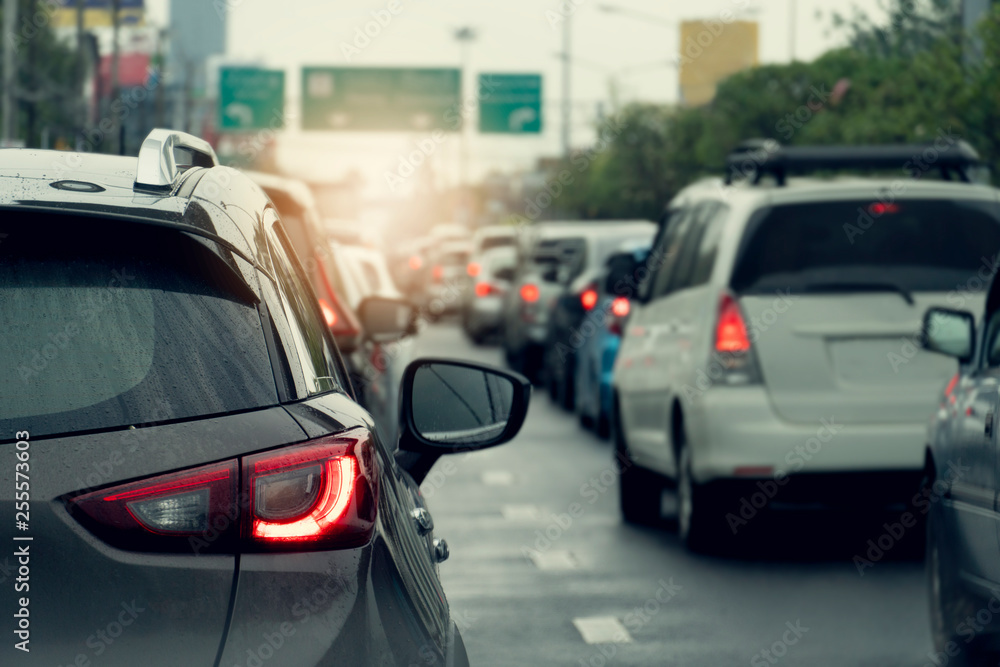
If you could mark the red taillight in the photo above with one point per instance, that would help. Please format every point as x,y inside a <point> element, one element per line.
<point>620,307</point>
<point>329,315</point>
<point>473,269</point>
<point>589,299</point>
<point>416,263</point>
<point>951,385</point>
<point>881,208</point>
<point>530,293</point>
<point>437,273</point>
<point>731,331</point>
<point>483,289</point>
<point>152,514</point>
<point>321,494</point>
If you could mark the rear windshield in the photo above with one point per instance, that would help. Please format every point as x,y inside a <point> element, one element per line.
<point>109,325</point>
<point>913,245</point>
<point>496,242</point>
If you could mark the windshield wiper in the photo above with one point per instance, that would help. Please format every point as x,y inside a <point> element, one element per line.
<point>860,287</point>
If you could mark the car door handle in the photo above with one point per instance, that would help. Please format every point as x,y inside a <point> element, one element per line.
<point>989,425</point>
<point>422,518</point>
<point>441,551</point>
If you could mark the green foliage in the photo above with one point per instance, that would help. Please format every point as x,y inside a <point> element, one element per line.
<point>919,86</point>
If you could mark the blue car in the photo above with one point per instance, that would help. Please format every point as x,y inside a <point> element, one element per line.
<point>600,335</point>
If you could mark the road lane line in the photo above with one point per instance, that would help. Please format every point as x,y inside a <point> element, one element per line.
<point>522,512</point>
<point>602,630</point>
<point>554,561</point>
<point>498,478</point>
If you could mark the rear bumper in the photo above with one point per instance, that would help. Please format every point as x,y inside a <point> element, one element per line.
<point>735,433</point>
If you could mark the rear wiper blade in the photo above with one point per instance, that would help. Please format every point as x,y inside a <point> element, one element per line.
<point>847,286</point>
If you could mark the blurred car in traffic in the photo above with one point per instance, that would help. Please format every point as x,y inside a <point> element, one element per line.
<point>449,278</point>
<point>960,483</point>
<point>574,316</point>
<point>483,307</point>
<point>194,384</point>
<point>550,256</point>
<point>783,317</point>
<point>378,367</point>
<point>294,201</point>
<point>595,355</point>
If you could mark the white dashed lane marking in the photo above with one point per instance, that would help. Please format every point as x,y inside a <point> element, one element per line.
<point>555,561</point>
<point>602,630</point>
<point>522,512</point>
<point>498,478</point>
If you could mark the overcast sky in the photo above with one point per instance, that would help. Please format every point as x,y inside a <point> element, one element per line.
<point>513,36</point>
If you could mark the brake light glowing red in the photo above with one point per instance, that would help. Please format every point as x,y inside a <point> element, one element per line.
<point>483,289</point>
<point>437,273</point>
<point>329,315</point>
<point>731,331</point>
<point>881,208</point>
<point>620,307</point>
<point>321,494</point>
<point>416,263</point>
<point>530,293</point>
<point>589,299</point>
<point>473,269</point>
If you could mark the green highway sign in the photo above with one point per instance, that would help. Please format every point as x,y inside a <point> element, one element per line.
<point>510,103</point>
<point>251,99</point>
<point>381,99</point>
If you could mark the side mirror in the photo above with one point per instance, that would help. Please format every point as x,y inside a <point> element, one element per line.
<point>621,275</point>
<point>949,332</point>
<point>385,320</point>
<point>456,406</point>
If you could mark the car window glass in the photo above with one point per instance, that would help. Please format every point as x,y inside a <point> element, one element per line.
<point>993,341</point>
<point>669,253</point>
<point>308,331</point>
<point>125,327</point>
<point>683,274</point>
<point>708,249</point>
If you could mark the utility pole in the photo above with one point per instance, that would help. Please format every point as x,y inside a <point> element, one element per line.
<point>9,72</point>
<point>117,142</point>
<point>465,36</point>
<point>567,99</point>
<point>81,64</point>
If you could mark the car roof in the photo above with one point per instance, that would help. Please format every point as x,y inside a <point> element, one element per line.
<point>105,187</point>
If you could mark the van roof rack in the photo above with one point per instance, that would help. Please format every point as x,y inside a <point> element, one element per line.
<point>755,158</point>
<point>164,156</point>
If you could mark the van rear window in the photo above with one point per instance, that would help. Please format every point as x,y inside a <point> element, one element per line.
<point>108,325</point>
<point>915,245</point>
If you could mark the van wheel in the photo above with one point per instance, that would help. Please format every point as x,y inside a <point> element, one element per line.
<point>640,491</point>
<point>700,516</point>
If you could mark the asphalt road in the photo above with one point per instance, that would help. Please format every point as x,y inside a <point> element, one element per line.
<point>543,571</point>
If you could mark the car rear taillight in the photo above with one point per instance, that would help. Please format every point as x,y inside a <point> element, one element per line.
<point>731,330</point>
<point>733,361</point>
<point>473,269</point>
<point>321,494</point>
<point>416,262</point>
<point>329,314</point>
<point>529,293</point>
<point>161,513</point>
<point>488,289</point>
<point>589,298</point>
<point>437,273</point>
<point>619,312</point>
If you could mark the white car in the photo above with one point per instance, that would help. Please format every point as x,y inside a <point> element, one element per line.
<point>773,356</point>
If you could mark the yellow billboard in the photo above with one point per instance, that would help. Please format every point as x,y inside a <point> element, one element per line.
<point>98,15</point>
<point>710,51</point>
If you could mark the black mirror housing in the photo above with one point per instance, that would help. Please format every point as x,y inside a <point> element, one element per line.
<point>457,397</point>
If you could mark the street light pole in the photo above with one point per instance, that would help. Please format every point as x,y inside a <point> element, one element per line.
<point>9,72</point>
<point>567,105</point>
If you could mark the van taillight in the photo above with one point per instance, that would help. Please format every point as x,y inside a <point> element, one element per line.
<point>589,298</point>
<point>733,361</point>
<point>731,330</point>
<point>321,494</point>
<point>530,293</point>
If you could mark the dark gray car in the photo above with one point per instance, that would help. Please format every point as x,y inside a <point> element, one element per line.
<point>185,477</point>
